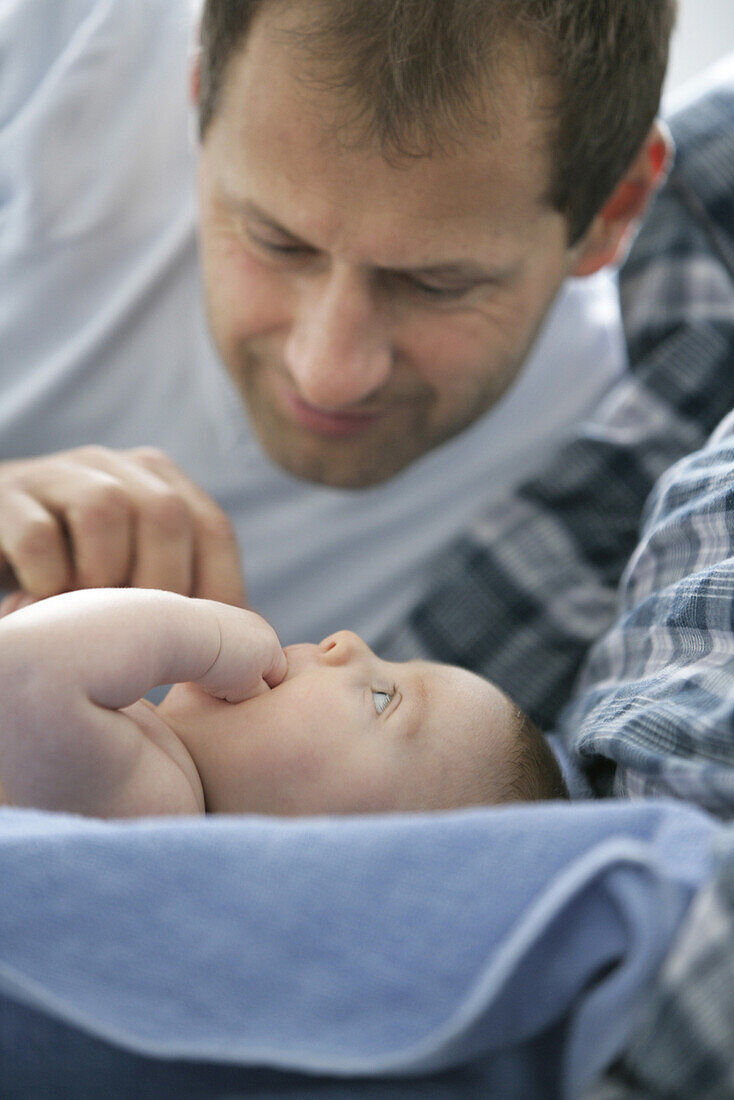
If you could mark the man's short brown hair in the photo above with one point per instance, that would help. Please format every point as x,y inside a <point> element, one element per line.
<point>412,69</point>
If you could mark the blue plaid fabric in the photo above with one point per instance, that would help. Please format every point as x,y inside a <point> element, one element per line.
<point>525,593</point>
<point>682,1048</point>
<point>653,711</point>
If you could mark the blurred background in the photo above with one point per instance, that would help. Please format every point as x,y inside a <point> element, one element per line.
<point>705,33</point>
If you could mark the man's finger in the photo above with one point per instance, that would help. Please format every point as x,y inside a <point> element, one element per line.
<point>217,564</point>
<point>14,601</point>
<point>34,543</point>
<point>217,568</point>
<point>162,529</point>
<point>164,544</point>
<point>99,523</point>
<point>8,579</point>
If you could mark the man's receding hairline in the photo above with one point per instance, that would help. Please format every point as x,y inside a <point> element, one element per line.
<point>440,136</point>
<point>604,63</point>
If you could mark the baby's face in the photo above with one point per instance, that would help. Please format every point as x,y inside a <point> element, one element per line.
<point>347,732</point>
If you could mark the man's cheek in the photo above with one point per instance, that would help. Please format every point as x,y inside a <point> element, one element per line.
<point>254,300</point>
<point>456,356</point>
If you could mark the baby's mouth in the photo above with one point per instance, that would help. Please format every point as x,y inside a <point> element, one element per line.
<point>299,656</point>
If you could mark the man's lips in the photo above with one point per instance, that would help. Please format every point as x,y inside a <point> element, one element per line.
<point>326,421</point>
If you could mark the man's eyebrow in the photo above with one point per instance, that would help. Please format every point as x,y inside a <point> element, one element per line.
<point>251,210</point>
<point>468,270</point>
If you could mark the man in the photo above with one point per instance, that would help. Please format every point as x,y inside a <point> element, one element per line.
<point>382,247</point>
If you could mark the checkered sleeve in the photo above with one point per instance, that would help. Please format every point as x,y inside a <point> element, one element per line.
<point>682,1046</point>
<point>524,593</point>
<point>653,712</point>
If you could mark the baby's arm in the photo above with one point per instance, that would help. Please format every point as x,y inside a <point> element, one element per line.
<point>67,666</point>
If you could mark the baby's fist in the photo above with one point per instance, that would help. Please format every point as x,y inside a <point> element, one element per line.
<point>250,659</point>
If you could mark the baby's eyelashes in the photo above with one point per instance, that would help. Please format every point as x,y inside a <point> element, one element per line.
<point>381,700</point>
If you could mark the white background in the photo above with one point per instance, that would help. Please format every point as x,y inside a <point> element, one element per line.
<point>705,32</point>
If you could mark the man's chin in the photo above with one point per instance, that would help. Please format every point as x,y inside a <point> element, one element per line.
<point>336,464</point>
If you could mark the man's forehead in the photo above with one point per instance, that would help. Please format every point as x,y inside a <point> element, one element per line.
<point>366,211</point>
<point>272,121</point>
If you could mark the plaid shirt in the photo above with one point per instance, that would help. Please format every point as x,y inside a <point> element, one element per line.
<point>653,712</point>
<point>682,1049</point>
<point>525,593</point>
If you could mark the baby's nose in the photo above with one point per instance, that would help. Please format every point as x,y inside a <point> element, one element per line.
<point>342,647</point>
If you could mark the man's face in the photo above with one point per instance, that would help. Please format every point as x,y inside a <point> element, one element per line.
<point>368,310</point>
<point>346,732</point>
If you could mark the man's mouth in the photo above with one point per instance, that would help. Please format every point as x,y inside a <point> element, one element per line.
<point>329,422</point>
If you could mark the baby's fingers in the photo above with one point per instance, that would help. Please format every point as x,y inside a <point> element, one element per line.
<point>250,659</point>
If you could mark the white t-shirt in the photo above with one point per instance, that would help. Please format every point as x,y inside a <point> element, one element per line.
<point>103,339</point>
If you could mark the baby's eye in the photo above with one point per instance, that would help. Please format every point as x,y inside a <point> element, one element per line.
<point>381,699</point>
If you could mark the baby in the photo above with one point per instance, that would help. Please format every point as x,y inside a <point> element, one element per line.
<point>248,727</point>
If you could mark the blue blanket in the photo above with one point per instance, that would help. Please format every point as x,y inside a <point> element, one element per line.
<point>373,946</point>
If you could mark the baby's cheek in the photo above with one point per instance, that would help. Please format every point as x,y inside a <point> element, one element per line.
<point>434,781</point>
<point>300,777</point>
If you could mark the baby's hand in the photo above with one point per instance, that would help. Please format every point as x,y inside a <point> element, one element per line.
<point>250,659</point>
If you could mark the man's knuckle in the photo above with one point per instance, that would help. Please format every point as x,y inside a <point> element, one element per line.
<point>151,458</point>
<point>86,576</point>
<point>91,454</point>
<point>11,482</point>
<point>35,539</point>
<point>167,511</point>
<point>215,525</point>
<point>105,507</point>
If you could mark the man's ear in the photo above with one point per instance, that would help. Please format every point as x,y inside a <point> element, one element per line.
<point>194,96</point>
<point>610,234</point>
<point>195,79</point>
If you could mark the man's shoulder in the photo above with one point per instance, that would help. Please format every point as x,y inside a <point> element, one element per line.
<point>703,173</point>
<point>680,270</point>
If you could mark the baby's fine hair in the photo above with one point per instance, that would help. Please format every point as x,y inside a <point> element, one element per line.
<point>533,773</point>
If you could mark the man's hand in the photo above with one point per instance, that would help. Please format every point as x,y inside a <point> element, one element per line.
<point>98,518</point>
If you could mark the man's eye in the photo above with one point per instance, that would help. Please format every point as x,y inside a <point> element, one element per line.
<point>278,248</point>
<point>381,700</point>
<point>434,292</point>
<point>283,249</point>
<point>445,292</point>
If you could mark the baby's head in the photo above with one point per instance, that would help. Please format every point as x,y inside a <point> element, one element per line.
<point>346,732</point>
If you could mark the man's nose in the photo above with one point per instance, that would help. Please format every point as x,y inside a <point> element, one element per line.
<point>338,351</point>
<point>343,647</point>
